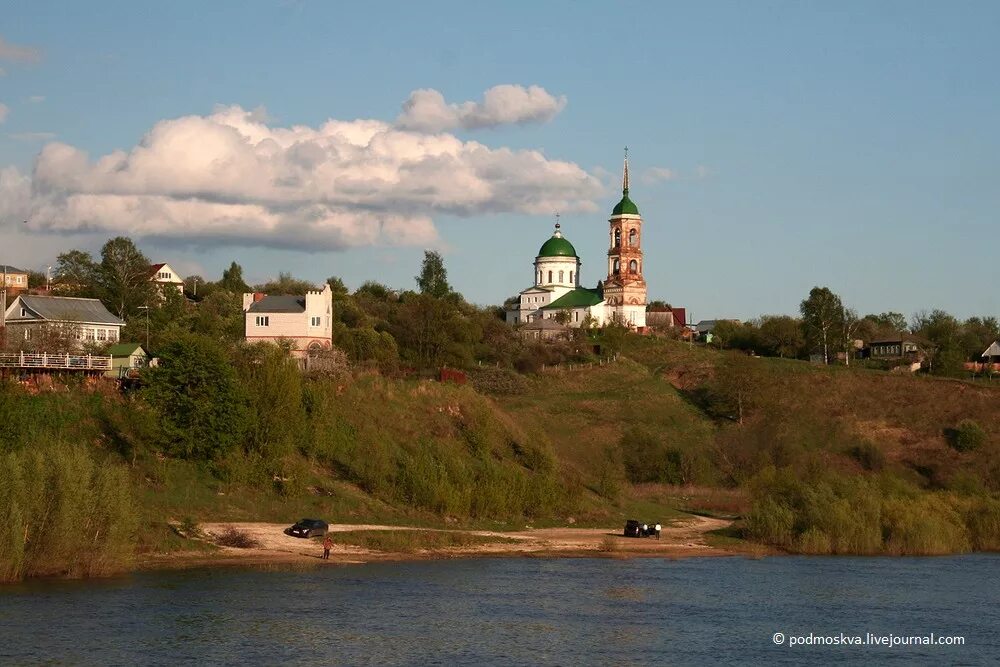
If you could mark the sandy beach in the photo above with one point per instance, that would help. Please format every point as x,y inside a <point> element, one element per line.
<point>684,539</point>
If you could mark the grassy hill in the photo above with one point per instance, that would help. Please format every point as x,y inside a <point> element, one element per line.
<point>815,459</point>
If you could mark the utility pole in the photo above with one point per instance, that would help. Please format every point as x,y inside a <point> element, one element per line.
<point>48,279</point>
<point>3,300</point>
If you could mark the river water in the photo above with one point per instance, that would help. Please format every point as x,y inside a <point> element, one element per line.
<point>514,612</point>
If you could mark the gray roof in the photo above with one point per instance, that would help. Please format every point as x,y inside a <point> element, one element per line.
<point>69,309</point>
<point>279,304</point>
<point>10,269</point>
<point>993,350</point>
<point>546,324</point>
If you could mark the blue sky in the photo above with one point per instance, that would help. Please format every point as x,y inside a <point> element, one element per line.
<point>774,145</point>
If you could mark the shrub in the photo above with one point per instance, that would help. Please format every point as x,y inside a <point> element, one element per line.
<point>967,436</point>
<point>239,539</point>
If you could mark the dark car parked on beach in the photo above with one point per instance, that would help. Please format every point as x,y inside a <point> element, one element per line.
<point>308,528</point>
<point>633,528</point>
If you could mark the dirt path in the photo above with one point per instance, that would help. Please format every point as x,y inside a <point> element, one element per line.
<point>687,538</point>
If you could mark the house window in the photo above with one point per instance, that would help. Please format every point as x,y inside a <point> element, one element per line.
<point>90,334</point>
<point>112,334</point>
<point>314,321</point>
<point>24,312</point>
<point>263,321</point>
<point>102,334</point>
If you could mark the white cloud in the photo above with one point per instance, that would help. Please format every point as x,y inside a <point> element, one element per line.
<point>33,136</point>
<point>231,178</point>
<point>17,53</point>
<point>4,110</point>
<point>36,99</point>
<point>427,111</point>
<point>658,175</point>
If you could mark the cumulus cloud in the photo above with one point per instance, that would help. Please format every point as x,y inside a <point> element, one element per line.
<point>4,110</point>
<point>232,177</point>
<point>427,111</point>
<point>658,175</point>
<point>17,53</point>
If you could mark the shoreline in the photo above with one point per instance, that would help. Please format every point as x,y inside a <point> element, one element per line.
<point>276,550</point>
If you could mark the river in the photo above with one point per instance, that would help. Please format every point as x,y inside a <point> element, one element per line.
<point>514,611</point>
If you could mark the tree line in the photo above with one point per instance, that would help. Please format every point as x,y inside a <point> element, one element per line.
<point>829,330</point>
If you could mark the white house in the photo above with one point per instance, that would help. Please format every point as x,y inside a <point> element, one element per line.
<point>165,277</point>
<point>13,278</point>
<point>82,320</point>
<point>304,321</point>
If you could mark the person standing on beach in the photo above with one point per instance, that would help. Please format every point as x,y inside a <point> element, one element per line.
<point>327,545</point>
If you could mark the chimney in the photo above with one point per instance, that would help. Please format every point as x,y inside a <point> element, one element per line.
<point>250,298</point>
<point>258,296</point>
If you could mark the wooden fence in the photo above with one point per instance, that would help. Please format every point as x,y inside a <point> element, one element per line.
<point>48,361</point>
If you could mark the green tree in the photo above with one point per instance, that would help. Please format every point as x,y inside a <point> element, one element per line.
<point>433,278</point>
<point>945,354</point>
<point>196,393</point>
<point>232,280</point>
<point>286,284</point>
<point>276,420</point>
<point>781,335</point>
<point>123,275</point>
<point>337,286</point>
<point>76,274</point>
<point>822,319</point>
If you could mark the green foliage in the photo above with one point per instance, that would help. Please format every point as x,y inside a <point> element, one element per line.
<point>647,458</point>
<point>822,318</point>
<point>196,393</point>
<point>276,419</point>
<point>967,436</point>
<point>433,278</point>
<point>286,284</point>
<point>123,277</point>
<point>868,455</point>
<point>62,512</point>
<point>232,280</point>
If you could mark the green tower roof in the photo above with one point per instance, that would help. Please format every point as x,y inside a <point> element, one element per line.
<point>626,206</point>
<point>557,246</point>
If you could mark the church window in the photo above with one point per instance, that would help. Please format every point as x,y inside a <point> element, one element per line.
<point>550,276</point>
<point>632,237</point>
<point>617,266</point>
<point>633,266</point>
<point>560,276</point>
<point>571,276</point>
<point>618,237</point>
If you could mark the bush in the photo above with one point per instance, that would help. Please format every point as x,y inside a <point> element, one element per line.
<point>236,538</point>
<point>967,436</point>
<point>63,513</point>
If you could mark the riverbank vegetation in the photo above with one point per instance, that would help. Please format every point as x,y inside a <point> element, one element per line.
<point>602,427</point>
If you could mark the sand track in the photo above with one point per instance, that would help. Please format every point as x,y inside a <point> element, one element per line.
<point>686,538</point>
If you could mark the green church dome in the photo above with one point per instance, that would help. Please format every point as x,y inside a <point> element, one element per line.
<point>557,246</point>
<point>626,206</point>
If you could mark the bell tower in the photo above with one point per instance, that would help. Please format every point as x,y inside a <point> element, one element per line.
<point>625,288</point>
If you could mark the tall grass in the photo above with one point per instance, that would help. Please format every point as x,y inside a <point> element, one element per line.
<point>837,514</point>
<point>63,513</point>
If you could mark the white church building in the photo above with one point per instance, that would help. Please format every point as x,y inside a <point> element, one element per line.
<point>557,288</point>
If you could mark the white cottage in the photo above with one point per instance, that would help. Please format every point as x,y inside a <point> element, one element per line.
<point>304,321</point>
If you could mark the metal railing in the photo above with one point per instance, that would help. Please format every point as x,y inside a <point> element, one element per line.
<point>45,360</point>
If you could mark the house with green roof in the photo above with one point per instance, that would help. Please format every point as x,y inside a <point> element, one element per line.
<point>126,360</point>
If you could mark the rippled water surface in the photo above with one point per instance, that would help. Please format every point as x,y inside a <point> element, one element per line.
<point>513,611</point>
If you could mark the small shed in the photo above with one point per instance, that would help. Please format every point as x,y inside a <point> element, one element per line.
<point>126,360</point>
<point>992,353</point>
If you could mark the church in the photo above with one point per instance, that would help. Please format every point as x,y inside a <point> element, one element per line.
<point>620,297</point>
